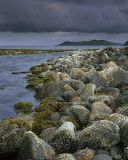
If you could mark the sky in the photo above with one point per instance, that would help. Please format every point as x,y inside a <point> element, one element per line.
<point>52,21</point>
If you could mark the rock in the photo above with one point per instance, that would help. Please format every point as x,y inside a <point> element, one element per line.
<point>47,134</point>
<point>122,110</point>
<point>101,98</point>
<point>126,153</point>
<point>81,113</point>
<point>63,76</point>
<point>11,137</point>
<point>121,100</point>
<point>65,156</point>
<point>118,119</point>
<point>100,135</point>
<point>117,153</point>
<point>99,111</point>
<point>108,91</point>
<point>102,157</point>
<point>112,77</point>
<point>57,90</point>
<point>64,139</point>
<point>78,74</point>
<point>88,91</point>
<point>110,64</point>
<point>103,152</point>
<point>35,148</point>
<point>49,76</point>
<point>55,116</point>
<point>85,154</point>
<point>69,92</point>
<point>105,57</point>
<point>124,135</point>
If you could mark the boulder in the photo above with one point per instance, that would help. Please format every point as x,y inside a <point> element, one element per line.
<point>65,156</point>
<point>99,111</point>
<point>100,135</point>
<point>118,119</point>
<point>64,139</point>
<point>35,148</point>
<point>81,113</point>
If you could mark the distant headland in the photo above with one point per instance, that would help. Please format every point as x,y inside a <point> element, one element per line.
<point>91,42</point>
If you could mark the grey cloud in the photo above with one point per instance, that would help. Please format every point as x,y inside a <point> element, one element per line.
<point>90,16</point>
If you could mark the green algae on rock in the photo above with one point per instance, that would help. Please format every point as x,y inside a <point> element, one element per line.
<point>23,107</point>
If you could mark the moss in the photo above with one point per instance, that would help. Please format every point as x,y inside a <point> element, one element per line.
<point>33,81</point>
<point>40,116</point>
<point>99,94</point>
<point>47,103</point>
<point>36,70</point>
<point>37,127</point>
<point>20,122</point>
<point>23,107</point>
<point>38,96</point>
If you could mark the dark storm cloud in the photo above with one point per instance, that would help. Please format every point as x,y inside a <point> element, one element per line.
<point>110,16</point>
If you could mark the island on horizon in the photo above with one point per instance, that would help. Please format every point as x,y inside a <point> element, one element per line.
<point>90,42</point>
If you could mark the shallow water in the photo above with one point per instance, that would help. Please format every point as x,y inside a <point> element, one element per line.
<point>12,86</point>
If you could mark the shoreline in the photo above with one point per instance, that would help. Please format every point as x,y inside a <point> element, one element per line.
<point>29,51</point>
<point>83,107</point>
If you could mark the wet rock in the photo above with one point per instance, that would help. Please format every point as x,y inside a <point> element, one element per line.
<point>118,119</point>
<point>65,156</point>
<point>81,113</point>
<point>64,139</point>
<point>99,111</point>
<point>35,148</point>
<point>85,154</point>
<point>99,135</point>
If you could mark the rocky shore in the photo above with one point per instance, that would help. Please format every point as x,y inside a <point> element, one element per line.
<point>83,110</point>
